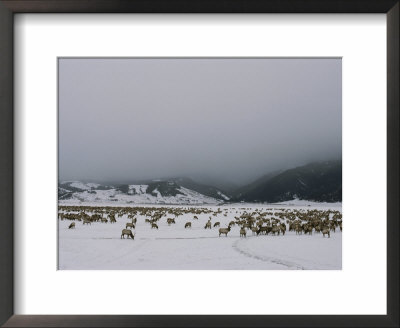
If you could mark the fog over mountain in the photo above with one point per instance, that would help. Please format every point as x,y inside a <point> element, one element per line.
<point>222,120</point>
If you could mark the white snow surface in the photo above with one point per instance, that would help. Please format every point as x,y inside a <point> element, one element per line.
<point>223,195</point>
<point>92,185</point>
<point>81,185</point>
<point>302,202</point>
<point>99,246</point>
<point>138,189</point>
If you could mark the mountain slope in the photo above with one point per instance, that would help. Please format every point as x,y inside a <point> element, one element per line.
<point>153,192</point>
<point>320,181</point>
<point>203,189</point>
<point>171,187</point>
<point>259,182</point>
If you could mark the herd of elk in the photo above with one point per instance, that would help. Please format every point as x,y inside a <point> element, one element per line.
<point>261,221</point>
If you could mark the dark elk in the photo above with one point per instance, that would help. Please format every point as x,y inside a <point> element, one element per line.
<point>224,231</point>
<point>127,232</point>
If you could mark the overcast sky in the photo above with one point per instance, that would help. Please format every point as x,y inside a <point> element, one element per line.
<point>228,119</point>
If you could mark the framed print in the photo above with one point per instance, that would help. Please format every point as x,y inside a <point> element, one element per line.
<point>163,165</point>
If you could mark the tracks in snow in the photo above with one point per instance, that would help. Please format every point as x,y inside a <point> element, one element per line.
<point>178,238</point>
<point>164,238</point>
<point>236,247</point>
<point>288,264</point>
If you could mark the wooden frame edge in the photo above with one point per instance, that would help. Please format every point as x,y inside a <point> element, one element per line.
<point>6,164</point>
<point>393,147</point>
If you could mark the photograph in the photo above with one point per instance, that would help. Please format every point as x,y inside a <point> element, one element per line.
<point>199,163</point>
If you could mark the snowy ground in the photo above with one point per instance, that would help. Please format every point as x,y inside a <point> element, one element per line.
<point>99,246</point>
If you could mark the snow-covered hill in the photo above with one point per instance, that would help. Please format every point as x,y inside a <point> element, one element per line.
<point>318,182</point>
<point>159,192</point>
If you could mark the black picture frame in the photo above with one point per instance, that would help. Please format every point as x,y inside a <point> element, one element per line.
<point>10,7</point>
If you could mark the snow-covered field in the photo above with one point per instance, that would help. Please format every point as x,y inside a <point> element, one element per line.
<point>99,246</point>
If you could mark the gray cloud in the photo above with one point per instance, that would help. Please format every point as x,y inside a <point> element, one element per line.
<point>231,119</point>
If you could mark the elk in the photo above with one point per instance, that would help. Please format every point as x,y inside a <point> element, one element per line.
<point>224,231</point>
<point>188,225</point>
<point>275,229</point>
<point>216,224</point>
<point>325,231</point>
<point>208,225</point>
<point>263,230</point>
<point>130,225</point>
<point>153,225</point>
<point>72,225</point>
<point>242,232</point>
<point>86,221</point>
<point>127,232</point>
